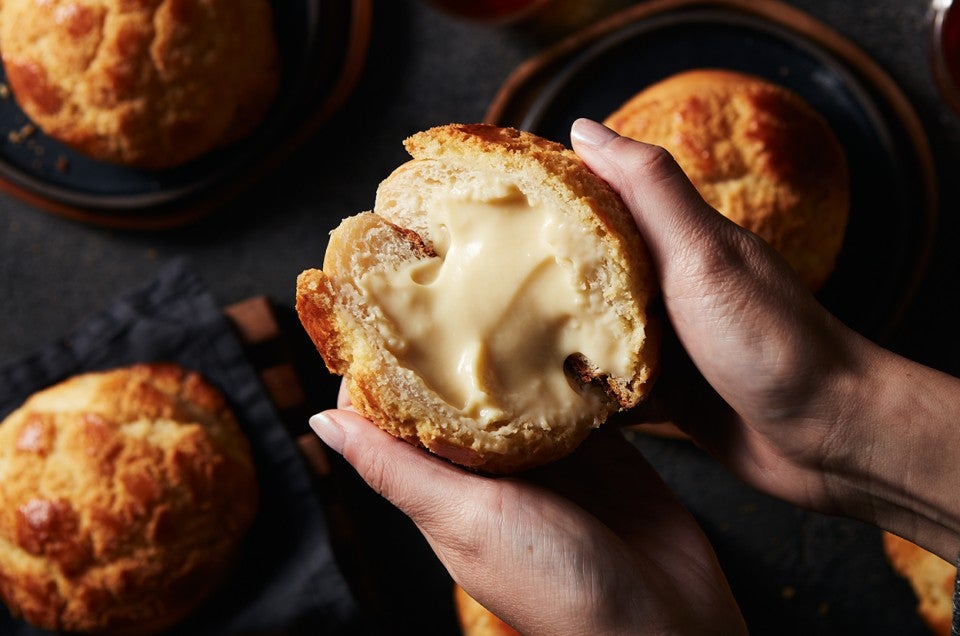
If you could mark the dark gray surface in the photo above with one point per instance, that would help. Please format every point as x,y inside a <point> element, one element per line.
<point>426,68</point>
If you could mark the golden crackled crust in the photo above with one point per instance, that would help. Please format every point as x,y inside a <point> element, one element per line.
<point>146,83</point>
<point>756,152</point>
<point>931,578</point>
<point>346,332</point>
<point>123,497</point>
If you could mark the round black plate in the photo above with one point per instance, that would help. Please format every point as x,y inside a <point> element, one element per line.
<point>888,233</point>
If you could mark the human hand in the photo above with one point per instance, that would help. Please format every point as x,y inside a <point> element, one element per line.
<point>820,416</point>
<point>594,544</point>
<point>755,333</point>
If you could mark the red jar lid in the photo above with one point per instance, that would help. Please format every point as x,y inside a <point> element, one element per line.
<point>489,10</point>
<point>946,49</point>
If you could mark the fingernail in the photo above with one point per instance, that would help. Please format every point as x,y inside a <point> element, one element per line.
<point>590,133</point>
<point>328,430</point>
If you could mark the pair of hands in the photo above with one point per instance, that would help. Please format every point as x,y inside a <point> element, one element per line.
<point>596,543</point>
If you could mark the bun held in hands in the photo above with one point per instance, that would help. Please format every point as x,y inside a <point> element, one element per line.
<point>493,307</point>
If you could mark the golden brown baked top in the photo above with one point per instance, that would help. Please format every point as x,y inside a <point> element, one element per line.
<point>758,153</point>
<point>931,578</point>
<point>491,222</point>
<point>123,496</point>
<point>147,83</point>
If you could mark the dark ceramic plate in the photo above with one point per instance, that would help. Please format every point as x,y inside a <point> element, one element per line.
<point>55,177</point>
<point>892,211</point>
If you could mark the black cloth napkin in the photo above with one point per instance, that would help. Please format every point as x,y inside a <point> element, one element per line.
<point>287,581</point>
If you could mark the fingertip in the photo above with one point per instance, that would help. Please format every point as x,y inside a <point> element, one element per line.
<point>414,480</point>
<point>590,134</point>
<point>623,162</point>
<point>646,176</point>
<point>354,436</point>
<point>329,429</point>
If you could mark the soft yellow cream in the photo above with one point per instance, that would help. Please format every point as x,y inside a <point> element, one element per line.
<point>489,322</point>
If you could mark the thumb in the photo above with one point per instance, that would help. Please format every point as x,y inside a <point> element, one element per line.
<point>412,480</point>
<point>737,308</point>
<point>686,237</point>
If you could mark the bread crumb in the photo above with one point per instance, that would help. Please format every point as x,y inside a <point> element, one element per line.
<point>788,592</point>
<point>823,608</point>
<point>20,135</point>
<point>4,91</point>
<point>62,164</point>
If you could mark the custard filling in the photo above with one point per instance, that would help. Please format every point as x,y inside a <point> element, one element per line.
<point>489,322</point>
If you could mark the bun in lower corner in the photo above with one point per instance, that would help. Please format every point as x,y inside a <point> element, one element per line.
<point>493,307</point>
<point>475,619</point>
<point>932,579</point>
<point>124,496</point>
<point>758,153</point>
